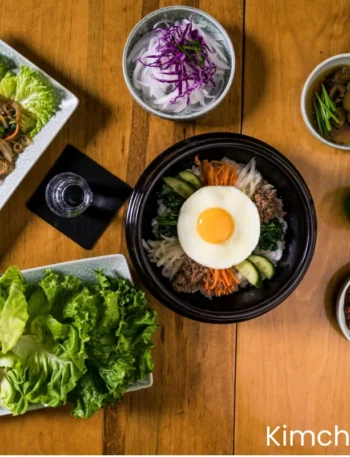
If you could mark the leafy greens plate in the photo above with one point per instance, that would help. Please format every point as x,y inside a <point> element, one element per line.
<point>26,160</point>
<point>84,269</point>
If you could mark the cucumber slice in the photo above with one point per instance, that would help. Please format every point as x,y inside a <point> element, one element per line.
<point>191,178</point>
<point>263,264</point>
<point>250,272</point>
<point>181,187</point>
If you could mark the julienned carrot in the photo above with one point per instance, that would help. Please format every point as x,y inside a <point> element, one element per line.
<point>12,136</point>
<point>234,277</point>
<point>233,177</point>
<point>215,273</point>
<point>217,173</point>
<point>220,282</point>
<point>225,279</point>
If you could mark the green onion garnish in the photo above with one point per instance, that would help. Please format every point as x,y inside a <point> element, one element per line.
<point>324,110</point>
<point>192,47</point>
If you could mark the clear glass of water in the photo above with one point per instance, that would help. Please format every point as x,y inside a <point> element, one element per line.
<point>68,195</point>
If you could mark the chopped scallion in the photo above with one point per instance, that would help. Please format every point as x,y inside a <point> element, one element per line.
<point>324,110</point>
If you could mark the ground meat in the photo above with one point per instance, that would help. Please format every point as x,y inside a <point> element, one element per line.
<point>267,204</point>
<point>190,277</point>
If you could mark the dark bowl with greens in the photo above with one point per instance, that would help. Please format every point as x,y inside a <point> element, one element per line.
<point>300,237</point>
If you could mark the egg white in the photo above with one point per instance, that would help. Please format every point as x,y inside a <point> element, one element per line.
<point>245,236</point>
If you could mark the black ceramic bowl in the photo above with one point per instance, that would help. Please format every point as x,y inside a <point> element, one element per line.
<point>300,237</point>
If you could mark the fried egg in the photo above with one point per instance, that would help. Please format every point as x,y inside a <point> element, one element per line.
<point>218,226</point>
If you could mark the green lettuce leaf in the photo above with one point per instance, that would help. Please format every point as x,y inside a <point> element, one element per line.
<point>37,305</point>
<point>41,358</point>
<point>5,65</point>
<point>44,366</point>
<point>27,122</point>
<point>58,290</point>
<point>81,310</point>
<point>8,85</point>
<point>14,315</point>
<point>36,95</point>
<point>64,340</point>
<point>119,349</point>
<point>12,377</point>
<point>89,396</point>
<point>70,301</point>
<point>10,275</point>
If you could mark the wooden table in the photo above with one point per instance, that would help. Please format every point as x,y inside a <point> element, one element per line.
<point>216,388</point>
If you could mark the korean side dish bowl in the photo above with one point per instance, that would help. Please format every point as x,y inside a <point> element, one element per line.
<point>221,228</point>
<point>178,63</point>
<point>325,102</point>
<point>343,308</point>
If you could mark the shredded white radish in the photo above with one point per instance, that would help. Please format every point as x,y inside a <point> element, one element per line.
<point>166,253</point>
<point>139,47</point>
<point>249,178</point>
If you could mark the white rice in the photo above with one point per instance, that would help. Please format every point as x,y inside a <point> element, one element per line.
<point>273,256</point>
<point>243,282</point>
<point>195,170</point>
<point>162,209</point>
<point>155,226</point>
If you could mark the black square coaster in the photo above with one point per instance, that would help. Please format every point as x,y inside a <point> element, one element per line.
<point>109,195</point>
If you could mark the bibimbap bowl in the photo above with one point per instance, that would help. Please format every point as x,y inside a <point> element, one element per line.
<point>298,217</point>
<point>200,53</point>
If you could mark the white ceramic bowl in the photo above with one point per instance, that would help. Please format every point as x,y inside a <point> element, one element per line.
<point>340,309</point>
<point>85,270</point>
<point>172,13</point>
<point>325,67</point>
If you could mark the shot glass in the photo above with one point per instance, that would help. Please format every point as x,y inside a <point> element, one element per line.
<point>68,195</point>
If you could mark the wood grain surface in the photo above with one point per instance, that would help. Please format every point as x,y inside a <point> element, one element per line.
<point>216,388</point>
<point>292,364</point>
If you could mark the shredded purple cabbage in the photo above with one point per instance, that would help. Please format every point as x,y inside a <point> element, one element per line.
<point>182,55</point>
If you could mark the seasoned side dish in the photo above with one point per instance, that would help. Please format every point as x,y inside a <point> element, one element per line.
<point>179,64</point>
<point>62,340</point>
<point>219,227</point>
<point>331,103</point>
<point>27,103</point>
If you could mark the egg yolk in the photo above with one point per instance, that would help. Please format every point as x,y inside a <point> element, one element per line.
<point>215,225</point>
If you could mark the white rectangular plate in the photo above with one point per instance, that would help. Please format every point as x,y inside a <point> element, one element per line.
<point>42,140</point>
<point>84,269</point>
